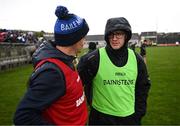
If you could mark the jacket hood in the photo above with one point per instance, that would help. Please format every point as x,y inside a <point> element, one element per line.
<point>48,50</point>
<point>115,24</point>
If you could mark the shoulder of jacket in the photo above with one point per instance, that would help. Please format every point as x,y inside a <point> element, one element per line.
<point>138,57</point>
<point>47,66</point>
<point>90,56</point>
<point>93,55</point>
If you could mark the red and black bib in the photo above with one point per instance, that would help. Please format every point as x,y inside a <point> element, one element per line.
<point>71,109</point>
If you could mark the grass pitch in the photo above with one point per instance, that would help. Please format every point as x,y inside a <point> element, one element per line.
<point>164,97</point>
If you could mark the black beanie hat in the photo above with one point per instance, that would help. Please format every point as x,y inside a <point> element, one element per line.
<point>115,24</point>
<point>69,28</point>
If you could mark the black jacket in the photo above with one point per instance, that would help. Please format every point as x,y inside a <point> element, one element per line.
<point>46,85</point>
<point>88,67</point>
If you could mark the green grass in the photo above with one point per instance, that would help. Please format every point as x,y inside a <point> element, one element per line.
<point>163,101</point>
<point>164,97</point>
<point>12,86</point>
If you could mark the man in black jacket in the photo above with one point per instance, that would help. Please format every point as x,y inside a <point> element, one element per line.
<point>143,50</point>
<point>116,79</point>
<point>91,47</point>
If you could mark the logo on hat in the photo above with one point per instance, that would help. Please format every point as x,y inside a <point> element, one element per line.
<point>71,26</point>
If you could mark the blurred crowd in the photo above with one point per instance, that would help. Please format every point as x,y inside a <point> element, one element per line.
<point>15,36</point>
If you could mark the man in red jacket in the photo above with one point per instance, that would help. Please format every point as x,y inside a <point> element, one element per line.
<point>55,94</point>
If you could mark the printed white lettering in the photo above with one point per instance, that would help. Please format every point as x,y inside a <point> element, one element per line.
<point>78,79</point>
<point>67,27</point>
<point>70,26</point>
<point>80,100</point>
<point>74,23</point>
<point>62,27</point>
<point>78,22</point>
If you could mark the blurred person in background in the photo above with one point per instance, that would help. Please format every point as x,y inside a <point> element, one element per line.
<point>92,46</point>
<point>143,50</point>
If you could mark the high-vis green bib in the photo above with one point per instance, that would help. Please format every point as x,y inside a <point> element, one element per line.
<point>114,87</point>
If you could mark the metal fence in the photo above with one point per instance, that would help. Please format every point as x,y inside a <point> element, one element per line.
<point>14,54</point>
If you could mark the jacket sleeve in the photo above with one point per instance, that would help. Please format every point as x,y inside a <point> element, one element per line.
<point>142,88</point>
<point>46,85</point>
<point>87,68</point>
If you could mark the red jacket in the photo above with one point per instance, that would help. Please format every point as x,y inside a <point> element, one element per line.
<point>71,109</point>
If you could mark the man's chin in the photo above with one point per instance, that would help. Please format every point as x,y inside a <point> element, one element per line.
<point>116,47</point>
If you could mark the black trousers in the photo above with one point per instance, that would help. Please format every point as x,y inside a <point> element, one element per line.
<point>98,118</point>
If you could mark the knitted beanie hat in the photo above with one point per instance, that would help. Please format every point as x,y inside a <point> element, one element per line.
<point>69,28</point>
